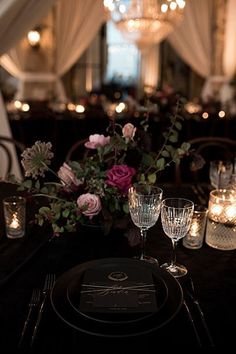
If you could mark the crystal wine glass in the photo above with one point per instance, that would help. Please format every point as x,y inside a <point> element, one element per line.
<point>220,173</point>
<point>144,207</point>
<point>176,216</point>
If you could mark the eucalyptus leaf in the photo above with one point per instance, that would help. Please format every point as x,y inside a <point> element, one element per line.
<point>152,178</point>
<point>37,184</point>
<point>173,138</point>
<point>165,153</point>
<point>66,213</point>
<point>160,164</point>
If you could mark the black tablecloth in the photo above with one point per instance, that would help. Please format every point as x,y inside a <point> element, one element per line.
<point>213,272</point>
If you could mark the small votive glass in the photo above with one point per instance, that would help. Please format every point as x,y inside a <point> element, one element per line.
<point>14,214</point>
<point>220,173</point>
<point>233,182</point>
<point>195,236</point>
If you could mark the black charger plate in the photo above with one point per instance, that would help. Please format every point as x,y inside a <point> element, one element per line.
<point>104,326</point>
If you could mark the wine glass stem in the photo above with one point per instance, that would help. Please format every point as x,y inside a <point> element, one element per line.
<point>173,261</point>
<point>143,241</point>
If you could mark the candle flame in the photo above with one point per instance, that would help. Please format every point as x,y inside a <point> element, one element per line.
<point>15,222</point>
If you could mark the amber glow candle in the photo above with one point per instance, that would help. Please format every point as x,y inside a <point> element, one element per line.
<point>222,207</point>
<point>14,214</point>
<point>194,228</point>
<point>195,236</point>
<point>221,225</point>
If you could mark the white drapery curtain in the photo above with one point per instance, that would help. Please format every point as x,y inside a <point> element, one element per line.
<point>226,94</point>
<point>229,54</point>
<point>192,39</point>
<point>76,24</point>
<point>150,66</point>
<point>19,16</point>
<point>16,18</point>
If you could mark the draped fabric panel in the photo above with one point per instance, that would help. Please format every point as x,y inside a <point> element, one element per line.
<point>192,38</point>
<point>16,18</point>
<point>150,66</point>
<point>229,53</point>
<point>193,41</point>
<point>77,23</point>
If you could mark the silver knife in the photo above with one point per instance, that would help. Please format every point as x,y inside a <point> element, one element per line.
<point>192,295</point>
<point>192,323</point>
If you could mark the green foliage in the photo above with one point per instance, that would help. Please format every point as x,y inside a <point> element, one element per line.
<point>59,198</point>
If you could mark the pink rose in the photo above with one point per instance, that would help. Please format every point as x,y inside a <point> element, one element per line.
<point>97,140</point>
<point>67,177</point>
<point>120,176</point>
<point>128,131</point>
<point>90,204</point>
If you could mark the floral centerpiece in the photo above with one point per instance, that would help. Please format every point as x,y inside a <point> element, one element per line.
<point>94,189</point>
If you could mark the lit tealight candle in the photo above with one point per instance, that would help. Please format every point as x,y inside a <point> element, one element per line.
<point>221,225</point>
<point>194,228</point>
<point>223,209</point>
<point>14,213</point>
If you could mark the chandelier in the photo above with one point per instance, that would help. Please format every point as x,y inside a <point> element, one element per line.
<point>145,22</point>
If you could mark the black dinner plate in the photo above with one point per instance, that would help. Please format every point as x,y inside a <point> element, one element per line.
<point>114,317</point>
<point>147,323</point>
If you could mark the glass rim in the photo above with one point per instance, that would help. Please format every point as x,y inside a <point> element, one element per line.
<point>14,199</point>
<point>191,203</point>
<point>160,190</point>
<point>227,193</point>
<point>224,162</point>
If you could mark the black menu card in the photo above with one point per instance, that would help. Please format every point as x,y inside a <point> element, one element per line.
<point>118,289</point>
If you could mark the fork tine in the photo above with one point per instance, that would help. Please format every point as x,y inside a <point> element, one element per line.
<point>49,281</point>
<point>35,296</point>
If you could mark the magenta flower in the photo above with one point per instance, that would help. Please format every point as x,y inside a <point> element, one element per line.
<point>120,176</point>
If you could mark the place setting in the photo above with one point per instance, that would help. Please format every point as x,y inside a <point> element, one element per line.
<point>99,297</point>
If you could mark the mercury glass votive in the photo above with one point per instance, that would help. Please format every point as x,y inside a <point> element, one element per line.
<point>195,236</point>
<point>14,214</point>
<point>221,223</point>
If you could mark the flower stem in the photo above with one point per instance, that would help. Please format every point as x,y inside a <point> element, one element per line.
<point>47,196</point>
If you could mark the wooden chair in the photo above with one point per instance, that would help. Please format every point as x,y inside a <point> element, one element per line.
<point>77,151</point>
<point>210,148</point>
<point>6,153</point>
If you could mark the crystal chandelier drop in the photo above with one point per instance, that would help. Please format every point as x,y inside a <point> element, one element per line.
<point>145,22</point>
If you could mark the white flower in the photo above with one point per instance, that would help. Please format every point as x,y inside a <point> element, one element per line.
<point>128,131</point>
<point>36,159</point>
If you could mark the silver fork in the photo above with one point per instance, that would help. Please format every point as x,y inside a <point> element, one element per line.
<point>48,284</point>
<point>34,301</point>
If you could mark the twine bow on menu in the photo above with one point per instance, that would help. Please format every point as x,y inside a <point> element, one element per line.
<point>48,284</point>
